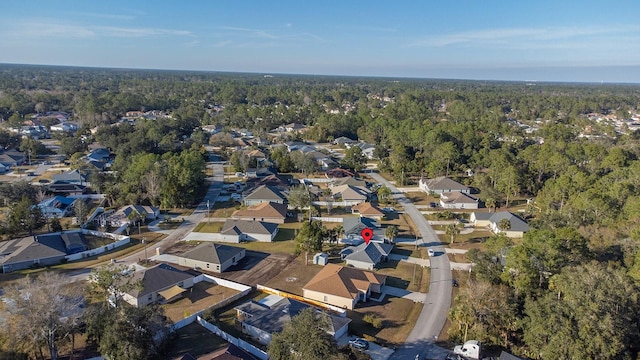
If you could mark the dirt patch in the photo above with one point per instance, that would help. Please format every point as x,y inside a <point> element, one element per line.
<point>294,276</point>
<point>181,247</point>
<point>257,268</point>
<point>459,258</point>
<point>201,296</point>
<point>195,340</point>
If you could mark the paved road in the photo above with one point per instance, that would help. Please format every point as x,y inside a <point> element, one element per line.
<point>190,222</point>
<point>438,300</point>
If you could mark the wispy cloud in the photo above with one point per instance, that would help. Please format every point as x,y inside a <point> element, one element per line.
<point>519,36</point>
<point>47,29</point>
<point>257,33</point>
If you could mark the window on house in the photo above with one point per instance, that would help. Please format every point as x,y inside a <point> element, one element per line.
<point>325,298</point>
<point>207,265</point>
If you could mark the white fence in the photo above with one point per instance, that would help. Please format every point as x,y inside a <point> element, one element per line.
<point>328,219</point>
<point>222,282</point>
<point>99,250</point>
<point>337,203</point>
<point>319,180</point>
<point>235,341</point>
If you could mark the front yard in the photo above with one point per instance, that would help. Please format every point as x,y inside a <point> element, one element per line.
<point>398,316</point>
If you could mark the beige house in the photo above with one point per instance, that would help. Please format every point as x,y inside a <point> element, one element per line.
<point>517,226</point>
<point>367,209</point>
<point>211,257</point>
<point>161,283</point>
<point>458,200</point>
<point>343,286</point>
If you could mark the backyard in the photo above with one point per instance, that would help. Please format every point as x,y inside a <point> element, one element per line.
<point>201,296</point>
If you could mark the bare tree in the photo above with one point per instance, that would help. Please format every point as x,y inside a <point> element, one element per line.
<point>44,310</point>
<point>153,186</point>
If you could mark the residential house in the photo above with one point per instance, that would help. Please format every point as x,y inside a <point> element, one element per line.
<point>293,127</point>
<point>12,158</point>
<point>261,319</point>
<point>350,193</point>
<point>353,226</point>
<point>280,182</point>
<point>125,215</point>
<point>517,226</point>
<point>161,283</point>
<point>367,209</point>
<point>338,173</point>
<point>211,257</point>
<point>67,189</point>
<point>227,352</point>
<point>70,177</point>
<point>458,200</point>
<point>64,127</point>
<point>3,169</point>
<point>39,250</point>
<point>248,230</point>
<point>366,255</point>
<point>349,180</point>
<point>343,140</point>
<point>441,185</point>
<point>367,149</point>
<point>266,211</point>
<point>56,206</point>
<point>265,193</point>
<point>294,145</point>
<point>212,129</point>
<point>327,164</point>
<point>343,286</point>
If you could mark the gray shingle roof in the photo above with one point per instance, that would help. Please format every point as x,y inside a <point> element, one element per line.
<point>517,224</point>
<point>157,278</point>
<point>444,183</point>
<point>370,253</point>
<point>266,193</point>
<point>212,253</point>
<point>273,319</point>
<point>237,227</point>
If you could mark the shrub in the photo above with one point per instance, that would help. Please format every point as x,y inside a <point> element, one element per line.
<point>375,321</point>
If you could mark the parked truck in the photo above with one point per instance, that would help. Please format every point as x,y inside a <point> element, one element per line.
<point>470,350</point>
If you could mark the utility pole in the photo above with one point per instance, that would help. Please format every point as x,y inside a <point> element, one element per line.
<point>208,211</point>
<point>144,243</point>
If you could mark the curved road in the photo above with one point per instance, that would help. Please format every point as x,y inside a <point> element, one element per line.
<point>438,299</point>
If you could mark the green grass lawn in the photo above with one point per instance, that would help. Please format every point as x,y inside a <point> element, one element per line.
<point>207,227</point>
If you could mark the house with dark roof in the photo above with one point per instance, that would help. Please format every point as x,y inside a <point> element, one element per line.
<point>517,226</point>
<point>265,193</point>
<point>161,283</point>
<point>39,250</point>
<point>248,230</point>
<point>353,226</point>
<point>366,255</point>
<point>64,189</point>
<point>124,215</point>
<point>343,286</point>
<point>227,352</point>
<point>261,319</point>
<point>338,173</point>
<point>266,211</point>
<point>12,158</point>
<point>211,257</point>
<point>56,206</point>
<point>442,184</point>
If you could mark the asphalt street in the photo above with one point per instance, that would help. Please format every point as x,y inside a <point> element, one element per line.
<point>421,340</point>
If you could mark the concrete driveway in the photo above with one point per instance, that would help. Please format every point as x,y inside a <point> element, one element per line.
<point>405,294</point>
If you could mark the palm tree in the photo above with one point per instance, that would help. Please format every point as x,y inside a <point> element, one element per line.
<point>504,225</point>
<point>490,203</point>
<point>453,230</point>
<point>391,232</point>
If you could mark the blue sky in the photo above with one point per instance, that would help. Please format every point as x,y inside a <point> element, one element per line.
<point>467,39</point>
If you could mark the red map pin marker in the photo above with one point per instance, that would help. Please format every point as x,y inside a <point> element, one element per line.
<point>366,234</point>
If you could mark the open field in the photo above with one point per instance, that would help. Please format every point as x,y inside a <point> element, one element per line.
<point>294,276</point>
<point>405,275</point>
